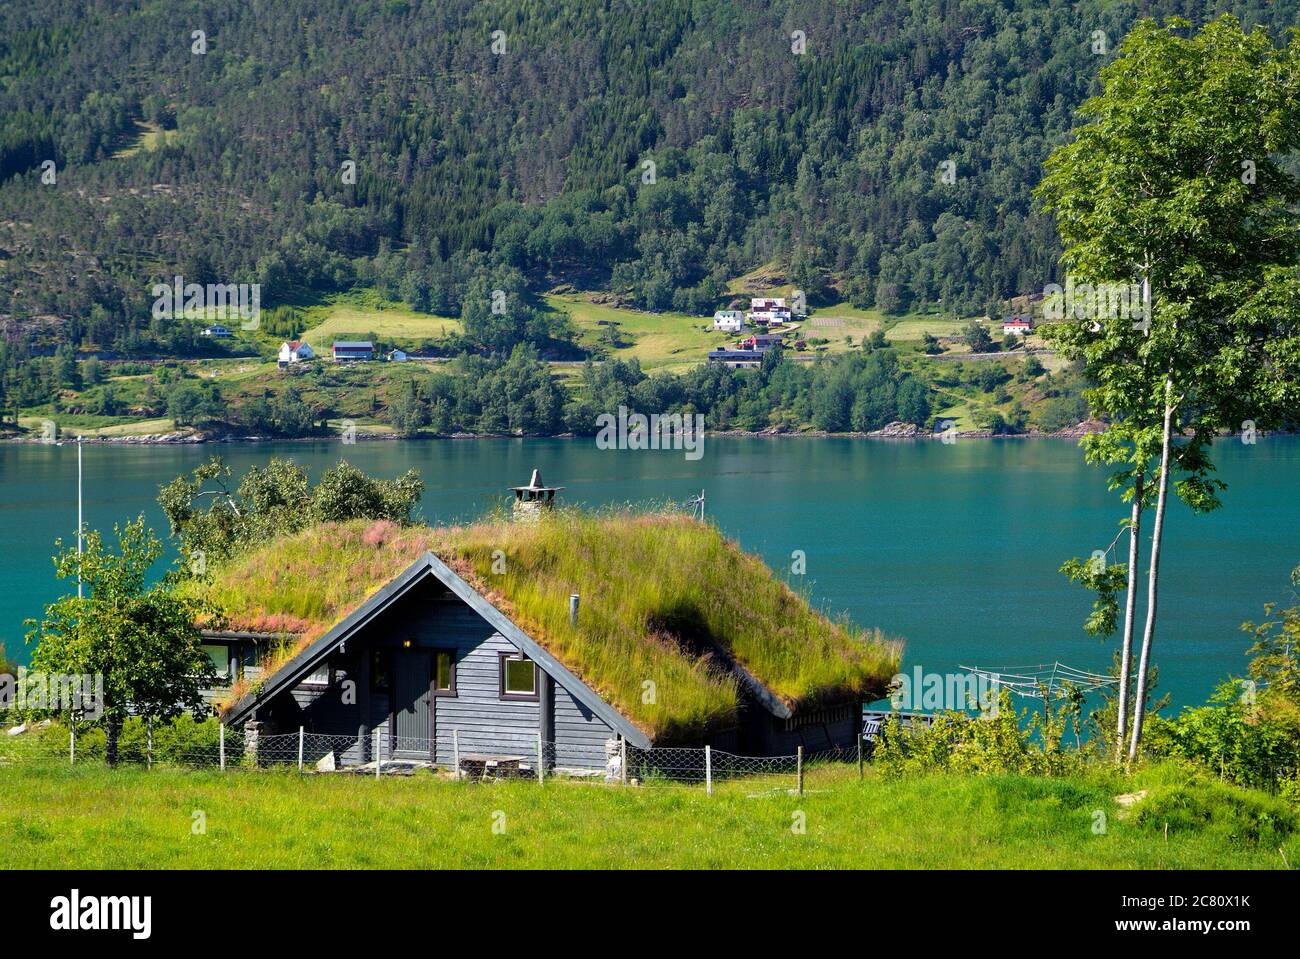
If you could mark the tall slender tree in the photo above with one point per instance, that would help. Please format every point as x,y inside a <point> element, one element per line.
<point>1174,186</point>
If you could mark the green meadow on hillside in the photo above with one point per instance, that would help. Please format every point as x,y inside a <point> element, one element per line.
<point>662,342</point>
<point>132,818</point>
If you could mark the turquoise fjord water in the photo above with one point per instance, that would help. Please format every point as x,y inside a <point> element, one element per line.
<point>952,547</point>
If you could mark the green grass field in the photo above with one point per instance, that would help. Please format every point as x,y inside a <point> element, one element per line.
<point>914,328</point>
<point>85,425</point>
<point>840,320</point>
<point>130,818</point>
<point>661,341</point>
<point>357,316</point>
<point>149,136</point>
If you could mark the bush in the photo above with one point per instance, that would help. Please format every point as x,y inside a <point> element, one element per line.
<point>1204,807</point>
<point>1062,412</point>
<point>1231,738</point>
<point>185,740</point>
<point>1003,741</point>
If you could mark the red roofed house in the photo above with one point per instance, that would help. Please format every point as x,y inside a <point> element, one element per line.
<point>294,351</point>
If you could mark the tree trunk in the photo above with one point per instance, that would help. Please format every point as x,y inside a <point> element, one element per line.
<point>1153,575</point>
<point>112,726</point>
<point>1130,606</point>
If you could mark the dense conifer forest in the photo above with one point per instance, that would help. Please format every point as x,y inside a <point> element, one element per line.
<point>881,153</point>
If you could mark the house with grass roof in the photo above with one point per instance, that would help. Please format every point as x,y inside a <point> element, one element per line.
<point>582,631</point>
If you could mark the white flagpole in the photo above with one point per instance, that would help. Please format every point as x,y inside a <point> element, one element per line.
<point>80,525</point>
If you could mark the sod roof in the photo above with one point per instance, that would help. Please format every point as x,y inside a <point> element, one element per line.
<point>664,598</point>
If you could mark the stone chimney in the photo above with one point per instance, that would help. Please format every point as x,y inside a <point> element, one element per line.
<point>530,500</point>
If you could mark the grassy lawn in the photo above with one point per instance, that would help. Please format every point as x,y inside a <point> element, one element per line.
<point>914,328</point>
<point>359,315</point>
<point>835,322</point>
<point>950,407</point>
<point>149,136</point>
<point>661,341</point>
<point>87,425</point>
<point>91,817</point>
<point>245,370</point>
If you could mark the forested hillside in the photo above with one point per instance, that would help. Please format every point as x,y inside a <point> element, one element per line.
<point>517,167</point>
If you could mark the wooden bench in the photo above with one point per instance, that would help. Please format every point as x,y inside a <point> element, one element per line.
<point>480,765</point>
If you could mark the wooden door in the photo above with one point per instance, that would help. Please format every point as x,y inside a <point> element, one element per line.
<point>412,704</point>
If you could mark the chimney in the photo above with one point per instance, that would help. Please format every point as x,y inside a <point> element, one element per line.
<point>532,499</point>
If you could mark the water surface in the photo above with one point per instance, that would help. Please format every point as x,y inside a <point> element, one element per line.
<point>952,547</point>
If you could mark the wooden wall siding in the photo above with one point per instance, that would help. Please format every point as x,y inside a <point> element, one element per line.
<point>841,732</point>
<point>486,723</point>
<point>580,735</point>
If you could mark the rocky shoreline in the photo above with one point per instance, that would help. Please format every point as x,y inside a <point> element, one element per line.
<point>892,431</point>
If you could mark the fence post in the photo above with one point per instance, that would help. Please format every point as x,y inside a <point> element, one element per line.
<point>221,745</point>
<point>622,759</point>
<point>455,750</point>
<point>859,754</point>
<point>72,742</point>
<point>300,739</point>
<point>378,758</point>
<point>540,774</point>
<point>799,767</point>
<point>708,770</point>
<point>148,725</point>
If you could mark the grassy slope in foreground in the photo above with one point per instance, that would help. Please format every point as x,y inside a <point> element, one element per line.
<point>652,586</point>
<point>133,818</point>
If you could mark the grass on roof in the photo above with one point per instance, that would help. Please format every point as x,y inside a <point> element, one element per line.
<point>664,601</point>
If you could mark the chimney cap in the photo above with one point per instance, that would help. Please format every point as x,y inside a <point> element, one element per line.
<point>535,484</point>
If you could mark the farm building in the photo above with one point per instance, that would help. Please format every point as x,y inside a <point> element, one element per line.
<point>737,357</point>
<point>1018,326</point>
<point>468,641</point>
<point>347,351</point>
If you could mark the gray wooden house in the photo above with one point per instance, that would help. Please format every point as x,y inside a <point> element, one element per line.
<point>434,667</point>
<point>438,670</point>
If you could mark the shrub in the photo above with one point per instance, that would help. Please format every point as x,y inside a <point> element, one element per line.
<point>1230,737</point>
<point>1000,741</point>
<point>185,740</point>
<point>1205,807</point>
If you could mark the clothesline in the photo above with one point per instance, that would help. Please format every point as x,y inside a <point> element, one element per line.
<point>1030,680</point>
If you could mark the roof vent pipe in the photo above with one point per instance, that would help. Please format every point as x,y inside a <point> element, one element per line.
<point>573,609</point>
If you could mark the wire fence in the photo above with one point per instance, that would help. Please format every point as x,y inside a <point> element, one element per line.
<point>381,753</point>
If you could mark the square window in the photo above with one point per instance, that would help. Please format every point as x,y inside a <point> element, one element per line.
<point>518,677</point>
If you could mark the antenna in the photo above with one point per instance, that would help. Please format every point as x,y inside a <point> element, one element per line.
<point>696,504</point>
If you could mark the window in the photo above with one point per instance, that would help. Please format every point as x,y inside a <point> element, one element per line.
<point>220,656</point>
<point>379,670</point>
<point>444,672</point>
<point>320,676</point>
<point>518,677</point>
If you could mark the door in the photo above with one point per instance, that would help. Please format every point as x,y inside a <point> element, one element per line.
<point>412,704</point>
